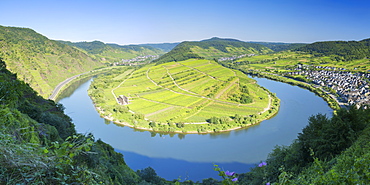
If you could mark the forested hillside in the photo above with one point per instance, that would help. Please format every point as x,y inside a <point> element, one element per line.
<point>109,53</point>
<point>278,46</point>
<point>39,144</point>
<point>212,48</point>
<point>339,50</point>
<point>41,62</point>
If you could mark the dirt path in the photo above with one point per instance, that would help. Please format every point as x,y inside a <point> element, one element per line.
<point>212,77</point>
<point>195,113</point>
<point>268,106</point>
<point>196,95</point>
<point>112,91</point>
<point>159,111</point>
<point>173,80</point>
<point>158,102</point>
<point>217,96</point>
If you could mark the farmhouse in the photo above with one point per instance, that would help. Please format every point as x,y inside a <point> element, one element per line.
<point>123,100</point>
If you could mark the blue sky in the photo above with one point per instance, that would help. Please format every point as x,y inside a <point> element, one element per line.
<point>159,21</point>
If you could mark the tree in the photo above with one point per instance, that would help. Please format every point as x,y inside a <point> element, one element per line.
<point>329,137</point>
<point>214,120</point>
<point>238,118</point>
<point>149,175</point>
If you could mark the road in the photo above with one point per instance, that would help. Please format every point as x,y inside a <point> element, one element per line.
<point>61,84</point>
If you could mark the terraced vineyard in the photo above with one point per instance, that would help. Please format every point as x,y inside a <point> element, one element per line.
<point>191,92</point>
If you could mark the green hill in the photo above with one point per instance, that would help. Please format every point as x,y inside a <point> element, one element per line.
<point>109,53</point>
<point>212,48</point>
<point>279,46</point>
<point>339,50</point>
<point>41,62</point>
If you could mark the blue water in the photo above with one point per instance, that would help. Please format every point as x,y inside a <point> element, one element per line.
<point>192,156</point>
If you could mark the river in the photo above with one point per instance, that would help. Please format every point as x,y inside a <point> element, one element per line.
<point>192,156</point>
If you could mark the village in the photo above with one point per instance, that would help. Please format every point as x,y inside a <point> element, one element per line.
<point>235,57</point>
<point>136,61</point>
<point>351,88</point>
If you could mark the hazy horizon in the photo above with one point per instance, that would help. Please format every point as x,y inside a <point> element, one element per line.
<point>150,22</point>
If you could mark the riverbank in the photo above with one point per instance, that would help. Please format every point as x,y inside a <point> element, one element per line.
<point>194,128</point>
<point>109,118</point>
<point>61,87</point>
<point>329,98</point>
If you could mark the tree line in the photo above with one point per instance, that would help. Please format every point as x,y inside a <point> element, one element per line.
<point>339,50</point>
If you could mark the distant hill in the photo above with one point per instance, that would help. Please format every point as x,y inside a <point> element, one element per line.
<point>110,53</point>
<point>165,47</point>
<point>279,46</point>
<point>41,62</point>
<point>339,50</point>
<point>212,48</point>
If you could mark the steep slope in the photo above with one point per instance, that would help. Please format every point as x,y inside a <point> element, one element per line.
<point>41,62</point>
<point>212,48</point>
<point>39,144</point>
<point>110,53</point>
<point>339,50</point>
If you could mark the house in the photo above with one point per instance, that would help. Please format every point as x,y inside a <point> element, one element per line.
<point>123,100</point>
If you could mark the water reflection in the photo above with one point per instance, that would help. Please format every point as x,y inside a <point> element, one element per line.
<point>107,122</point>
<point>220,135</point>
<point>71,88</point>
<point>180,168</point>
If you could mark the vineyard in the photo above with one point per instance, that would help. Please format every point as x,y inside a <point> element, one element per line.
<point>189,92</point>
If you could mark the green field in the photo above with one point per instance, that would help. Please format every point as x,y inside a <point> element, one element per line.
<point>188,91</point>
<point>182,96</point>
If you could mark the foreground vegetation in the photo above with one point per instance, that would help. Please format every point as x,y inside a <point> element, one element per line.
<point>192,96</point>
<point>328,151</point>
<point>39,144</point>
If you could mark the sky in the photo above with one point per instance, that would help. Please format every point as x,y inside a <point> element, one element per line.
<point>166,21</point>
